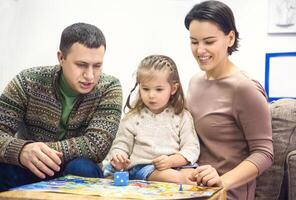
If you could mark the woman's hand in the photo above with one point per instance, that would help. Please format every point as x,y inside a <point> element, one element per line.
<point>120,161</point>
<point>207,175</point>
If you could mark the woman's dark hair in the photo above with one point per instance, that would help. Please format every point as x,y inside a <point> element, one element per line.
<point>218,13</point>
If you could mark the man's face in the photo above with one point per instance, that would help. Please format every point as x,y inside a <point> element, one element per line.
<point>82,67</point>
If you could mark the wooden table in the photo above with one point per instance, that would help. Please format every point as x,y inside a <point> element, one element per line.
<point>35,195</point>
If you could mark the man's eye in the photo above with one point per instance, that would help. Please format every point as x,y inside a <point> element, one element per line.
<point>97,66</point>
<point>82,65</point>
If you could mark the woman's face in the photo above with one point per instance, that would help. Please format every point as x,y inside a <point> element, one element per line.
<point>209,45</point>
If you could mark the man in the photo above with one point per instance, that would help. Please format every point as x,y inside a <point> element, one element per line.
<point>70,113</point>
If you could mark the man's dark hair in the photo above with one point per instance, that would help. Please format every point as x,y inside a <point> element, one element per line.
<point>218,13</point>
<point>85,34</point>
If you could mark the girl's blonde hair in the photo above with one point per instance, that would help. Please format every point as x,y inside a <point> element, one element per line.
<point>147,68</point>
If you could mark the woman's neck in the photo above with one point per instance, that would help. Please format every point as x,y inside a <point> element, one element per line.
<point>225,69</point>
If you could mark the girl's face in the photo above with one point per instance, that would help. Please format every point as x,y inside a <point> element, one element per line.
<point>156,92</point>
<point>209,45</point>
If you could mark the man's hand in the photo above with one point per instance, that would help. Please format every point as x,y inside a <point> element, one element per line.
<point>162,162</point>
<point>40,159</point>
<point>120,161</point>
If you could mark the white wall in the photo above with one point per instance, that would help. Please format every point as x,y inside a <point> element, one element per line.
<point>30,32</point>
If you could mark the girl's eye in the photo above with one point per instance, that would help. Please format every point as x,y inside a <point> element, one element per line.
<point>159,89</point>
<point>145,89</point>
<point>194,42</point>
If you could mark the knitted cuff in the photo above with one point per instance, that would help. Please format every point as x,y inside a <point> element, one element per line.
<point>13,151</point>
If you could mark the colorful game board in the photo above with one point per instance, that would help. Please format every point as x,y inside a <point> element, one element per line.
<point>136,189</point>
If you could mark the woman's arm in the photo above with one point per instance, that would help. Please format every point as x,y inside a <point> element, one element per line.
<point>252,115</point>
<point>240,175</point>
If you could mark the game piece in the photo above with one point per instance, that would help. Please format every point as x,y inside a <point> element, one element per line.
<point>181,187</point>
<point>121,178</point>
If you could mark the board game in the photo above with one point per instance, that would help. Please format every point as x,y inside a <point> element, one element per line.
<point>136,189</point>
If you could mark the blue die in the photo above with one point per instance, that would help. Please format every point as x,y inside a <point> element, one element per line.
<point>120,178</point>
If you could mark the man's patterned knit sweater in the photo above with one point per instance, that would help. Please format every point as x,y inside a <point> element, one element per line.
<point>32,100</point>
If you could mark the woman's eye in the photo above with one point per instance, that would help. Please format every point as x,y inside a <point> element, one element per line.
<point>209,42</point>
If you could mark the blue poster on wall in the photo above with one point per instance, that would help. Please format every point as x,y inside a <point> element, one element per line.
<point>280,75</point>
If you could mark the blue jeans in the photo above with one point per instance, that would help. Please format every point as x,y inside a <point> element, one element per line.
<point>141,172</point>
<point>13,175</point>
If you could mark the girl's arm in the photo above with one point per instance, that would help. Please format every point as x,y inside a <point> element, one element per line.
<point>189,146</point>
<point>124,140</point>
<point>166,162</point>
<point>189,143</point>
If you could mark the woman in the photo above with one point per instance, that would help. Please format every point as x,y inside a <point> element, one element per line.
<point>230,110</point>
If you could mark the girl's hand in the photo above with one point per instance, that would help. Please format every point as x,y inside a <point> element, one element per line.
<point>207,175</point>
<point>162,162</point>
<point>120,161</point>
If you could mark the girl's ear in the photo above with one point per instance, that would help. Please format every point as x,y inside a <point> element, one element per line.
<point>174,88</point>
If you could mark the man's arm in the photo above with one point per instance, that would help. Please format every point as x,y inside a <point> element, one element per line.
<point>12,108</point>
<point>37,157</point>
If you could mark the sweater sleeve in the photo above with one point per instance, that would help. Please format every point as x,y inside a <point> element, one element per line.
<point>12,108</point>
<point>253,115</point>
<point>100,132</point>
<point>189,143</point>
<point>124,140</point>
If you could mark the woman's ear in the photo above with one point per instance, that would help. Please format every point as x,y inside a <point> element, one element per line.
<point>174,88</point>
<point>231,37</point>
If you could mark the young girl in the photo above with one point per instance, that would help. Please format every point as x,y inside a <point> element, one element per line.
<point>156,140</point>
